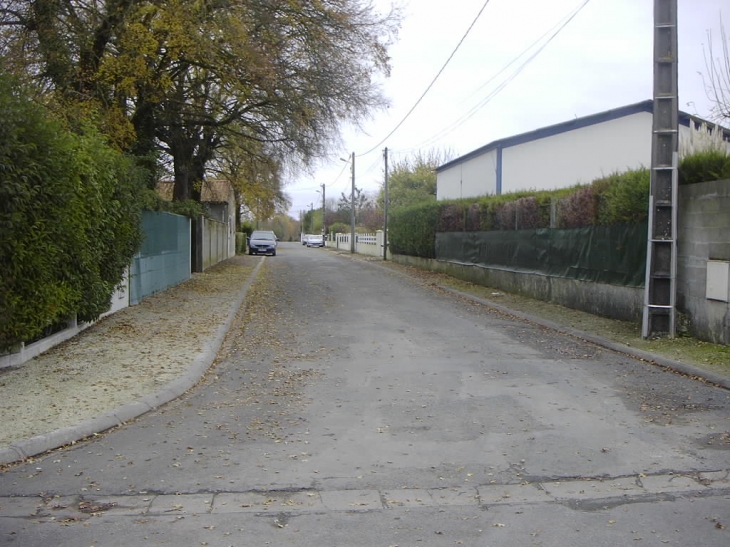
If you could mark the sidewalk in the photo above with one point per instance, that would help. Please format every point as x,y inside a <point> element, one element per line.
<point>123,366</point>
<point>144,356</point>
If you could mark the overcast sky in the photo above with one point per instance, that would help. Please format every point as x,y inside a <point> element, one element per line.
<point>601,60</point>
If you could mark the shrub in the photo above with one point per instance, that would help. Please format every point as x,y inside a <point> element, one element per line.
<point>340,228</point>
<point>704,167</point>
<point>108,186</point>
<point>151,201</point>
<point>247,228</point>
<point>241,243</point>
<point>625,197</point>
<point>413,230</point>
<point>451,217</point>
<point>578,209</point>
<point>621,198</point>
<point>485,216</point>
<point>505,215</point>
<point>473,218</point>
<point>527,213</point>
<point>69,220</point>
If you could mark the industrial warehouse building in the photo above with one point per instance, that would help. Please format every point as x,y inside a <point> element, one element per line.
<point>580,151</point>
<point>558,156</point>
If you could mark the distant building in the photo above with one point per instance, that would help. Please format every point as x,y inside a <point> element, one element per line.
<point>216,196</point>
<point>559,156</point>
<point>219,201</point>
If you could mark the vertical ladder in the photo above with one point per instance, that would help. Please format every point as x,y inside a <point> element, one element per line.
<point>661,260</point>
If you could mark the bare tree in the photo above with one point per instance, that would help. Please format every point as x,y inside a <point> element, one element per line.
<point>717,79</point>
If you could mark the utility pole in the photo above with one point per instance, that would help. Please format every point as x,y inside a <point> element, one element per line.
<point>352,208</point>
<point>324,228</point>
<point>385,206</point>
<point>661,255</point>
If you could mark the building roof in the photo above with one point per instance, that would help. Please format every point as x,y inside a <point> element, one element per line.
<point>216,191</point>
<point>165,189</point>
<point>577,123</point>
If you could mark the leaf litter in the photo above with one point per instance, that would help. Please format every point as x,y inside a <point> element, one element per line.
<point>124,356</point>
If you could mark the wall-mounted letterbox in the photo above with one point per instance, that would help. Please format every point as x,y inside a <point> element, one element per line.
<point>718,280</point>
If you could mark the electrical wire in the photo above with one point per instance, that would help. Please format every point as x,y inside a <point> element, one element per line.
<point>463,119</point>
<point>483,102</point>
<point>468,30</point>
<point>528,48</point>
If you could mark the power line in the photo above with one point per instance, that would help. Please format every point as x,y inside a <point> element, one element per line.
<point>483,102</point>
<point>560,26</point>
<point>528,48</point>
<point>468,30</point>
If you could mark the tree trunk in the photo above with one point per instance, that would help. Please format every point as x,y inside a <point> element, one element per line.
<point>182,156</point>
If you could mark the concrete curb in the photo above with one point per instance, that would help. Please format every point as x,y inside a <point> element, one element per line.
<point>677,366</point>
<point>28,448</point>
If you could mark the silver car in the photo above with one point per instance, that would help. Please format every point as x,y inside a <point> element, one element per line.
<point>315,241</point>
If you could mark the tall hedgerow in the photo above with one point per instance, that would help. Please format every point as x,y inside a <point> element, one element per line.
<point>704,166</point>
<point>413,230</point>
<point>69,219</point>
<point>620,198</point>
<point>624,198</point>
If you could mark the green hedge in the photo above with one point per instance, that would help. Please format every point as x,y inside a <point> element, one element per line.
<point>412,230</point>
<point>704,166</point>
<point>618,199</point>
<point>339,228</point>
<point>69,220</point>
<point>241,243</point>
<point>624,198</point>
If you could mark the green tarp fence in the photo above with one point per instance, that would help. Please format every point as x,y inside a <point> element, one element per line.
<point>615,255</point>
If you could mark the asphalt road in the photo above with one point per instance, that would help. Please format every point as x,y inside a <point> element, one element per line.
<point>353,406</point>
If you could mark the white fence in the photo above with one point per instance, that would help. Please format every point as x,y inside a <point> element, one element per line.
<point>365,244</point>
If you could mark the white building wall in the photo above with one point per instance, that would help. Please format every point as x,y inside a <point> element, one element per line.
<point>474,177</point>
<point>578,156</point>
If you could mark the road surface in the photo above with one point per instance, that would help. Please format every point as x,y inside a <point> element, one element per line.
<point>351,405</point>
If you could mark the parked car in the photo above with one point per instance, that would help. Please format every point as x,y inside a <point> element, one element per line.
<point>262,242</point>
<point>304,238</point>
<point>315,241</point>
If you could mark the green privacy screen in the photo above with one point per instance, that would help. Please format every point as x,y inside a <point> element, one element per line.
<point>164,258</point>
<point>603,254</point>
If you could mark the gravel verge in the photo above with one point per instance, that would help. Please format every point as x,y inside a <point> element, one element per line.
<point>123,365</point>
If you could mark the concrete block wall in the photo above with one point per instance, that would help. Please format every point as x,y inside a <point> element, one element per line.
<point>703,235</point>
<point>625,303</point>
